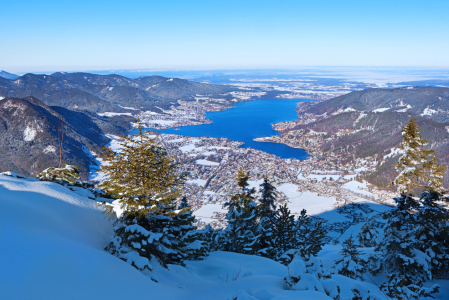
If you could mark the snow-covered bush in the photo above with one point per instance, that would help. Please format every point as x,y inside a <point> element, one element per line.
<point>398,288</point>
<point>310,275</point>
<point>66,175</point>
<point>361,293</point>
<point>299,279</point>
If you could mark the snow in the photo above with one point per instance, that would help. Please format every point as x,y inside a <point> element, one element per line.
<point>50,149</point>
<point>176,140</point>
<point>52,247</point>
<point>255,184</point>
<point>206,212</point>
<point>394,152</point>
<point>207,163</point>
<point>113,114</point>
<point>428,112</point>
<point>161,122</point>
<point>1,98</point>
<point>200,182</point>
<point>357,187</point>
<point>309,201</point>
<point>381,109</point>
<point>29,134</point>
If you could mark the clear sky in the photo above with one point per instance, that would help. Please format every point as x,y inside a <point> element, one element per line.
<point>42,35</point>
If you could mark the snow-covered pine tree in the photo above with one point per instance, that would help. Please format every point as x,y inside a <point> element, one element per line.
<point>432,233</point>
<point>368,234</point>
<point>190,239</point>
<point>396,253</point>
<point>351,264</point>
<point>266,214</point>
<point>413,165</point>
<point>147,184</point>
<point>242,217</point>
<point>65,175</point>
<point>284,231</point>
<point>397,287</point>
<point>309,236</point>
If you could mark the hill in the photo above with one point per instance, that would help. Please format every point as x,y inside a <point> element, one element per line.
<point>29,135</point>
<point>368,123</point>
<point>7,75</point>
<point>432,102</point>
<point>107,93</point>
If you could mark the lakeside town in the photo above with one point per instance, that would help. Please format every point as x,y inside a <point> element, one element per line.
<point>211,165</point>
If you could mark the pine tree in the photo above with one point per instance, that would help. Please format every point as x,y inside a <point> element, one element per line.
<point>266,214</point>
<point>309,236</point>
<point>396,252</point>
<point>190,239</point>
<point>147,184</point>
<point>431,233</point>
<point>284,232</point>
<point>142,176</point>
<point>398,287</point>
<point>351,264</point>
<point>242,217</point>
<point>418,167</point>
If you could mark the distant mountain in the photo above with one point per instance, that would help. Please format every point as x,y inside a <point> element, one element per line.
<point>29,135</point>
<point>107,93</point>
<point>430,82</point>
<point>7,75</point>
<point>432,102</point>
<point>368,123</point>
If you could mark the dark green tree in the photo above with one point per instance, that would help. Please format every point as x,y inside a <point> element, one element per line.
<point>284,232</point>
<point>242,217</point>
<point>147,183</point>
<point>266,212</point>
<point>351,264</point>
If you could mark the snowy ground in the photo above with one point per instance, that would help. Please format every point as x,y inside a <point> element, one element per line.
<point>52,242</point>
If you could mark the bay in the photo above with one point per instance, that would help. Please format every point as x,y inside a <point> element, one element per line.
<point>249,120</point>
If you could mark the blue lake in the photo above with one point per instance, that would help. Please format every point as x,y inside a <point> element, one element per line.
<point>249,120</point>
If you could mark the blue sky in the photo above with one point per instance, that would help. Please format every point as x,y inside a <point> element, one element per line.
<point>93,35</point>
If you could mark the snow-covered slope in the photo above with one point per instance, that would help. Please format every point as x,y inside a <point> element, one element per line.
<point>51,247</point>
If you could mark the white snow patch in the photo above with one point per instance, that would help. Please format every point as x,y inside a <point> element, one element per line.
<point>206,212</point>
<point>309,201</point>
<point>207,163</point>
<point>50,149</point>
<point>29,134</point>
<point>112,114</point>
<point>200,182</point>
<point>381,109</point>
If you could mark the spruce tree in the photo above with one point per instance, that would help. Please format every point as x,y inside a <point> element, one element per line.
<point>284,232</point>
<point>351,264</point>
<point>431,233</point>
<point>189,238</point>
<point>146,182</point>
<point>266,214</point>
<point>309,236</point>
<point>418,168</point>
<point>242,217</point>
<point>396,252</point>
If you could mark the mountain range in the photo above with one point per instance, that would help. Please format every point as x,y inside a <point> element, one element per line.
<point>107,93</point>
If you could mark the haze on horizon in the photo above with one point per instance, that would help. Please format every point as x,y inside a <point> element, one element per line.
<point>98,35</point>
